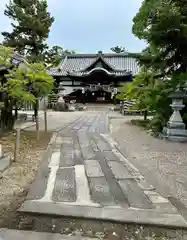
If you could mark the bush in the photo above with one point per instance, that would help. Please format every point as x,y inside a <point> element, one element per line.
<point>157,123</point>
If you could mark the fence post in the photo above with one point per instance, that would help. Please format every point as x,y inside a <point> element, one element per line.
<point>37,121</point>
<point>45,114</point>
<point>17,144</point>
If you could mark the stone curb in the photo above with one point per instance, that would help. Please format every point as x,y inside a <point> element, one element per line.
<point>114,214</point>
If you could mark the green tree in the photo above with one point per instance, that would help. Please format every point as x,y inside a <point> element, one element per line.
<point>31,24</point>
<point>163,25</point>
<point>140,91</point>
<point>27,82</point>
<point>54,54</point>
<point>118,49</point>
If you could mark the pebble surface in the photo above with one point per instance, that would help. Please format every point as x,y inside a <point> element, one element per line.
<point>163,163</point>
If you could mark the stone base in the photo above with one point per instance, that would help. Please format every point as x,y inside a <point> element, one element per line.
<point>175,134</point>
<point>176,139</point>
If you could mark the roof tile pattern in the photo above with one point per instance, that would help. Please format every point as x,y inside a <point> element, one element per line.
<point>75,64</point>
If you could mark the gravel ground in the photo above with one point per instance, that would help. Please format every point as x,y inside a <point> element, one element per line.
<point>14,182</point>
<point>163,163</point>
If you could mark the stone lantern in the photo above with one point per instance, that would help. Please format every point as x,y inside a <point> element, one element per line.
<point>175,129</point>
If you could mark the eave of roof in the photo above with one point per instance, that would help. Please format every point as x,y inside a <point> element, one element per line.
<point>98,69</point>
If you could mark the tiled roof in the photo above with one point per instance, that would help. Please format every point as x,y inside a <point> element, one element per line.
<point>75,64</point>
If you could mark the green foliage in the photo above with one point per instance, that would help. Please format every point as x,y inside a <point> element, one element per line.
<point>163,25</point>
<point>5,53</point>
<point>28,82</point>
<point>118,49</point>
<point>24,83</point>
<point>151,94</point>
<point>140,90</point>
<point>31,24</point>
<point>53,56</point>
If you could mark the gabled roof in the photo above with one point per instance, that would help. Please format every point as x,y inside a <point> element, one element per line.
<point>78,64</point>
<point>99,60</point>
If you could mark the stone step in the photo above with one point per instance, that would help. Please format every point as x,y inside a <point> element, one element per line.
<point>7,234</point>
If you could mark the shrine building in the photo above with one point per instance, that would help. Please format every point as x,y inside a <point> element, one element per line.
<point>94,77</point>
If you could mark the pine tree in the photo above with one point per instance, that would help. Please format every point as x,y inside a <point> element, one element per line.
<point>53,55</point>
<point>31,26</point>
<point>118,49</point>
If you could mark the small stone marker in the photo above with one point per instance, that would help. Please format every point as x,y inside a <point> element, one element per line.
<point>5,161</point>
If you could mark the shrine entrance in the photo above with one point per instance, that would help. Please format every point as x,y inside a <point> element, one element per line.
<point>99,96</point>
<point>99,87</point>
<point>96,86</point>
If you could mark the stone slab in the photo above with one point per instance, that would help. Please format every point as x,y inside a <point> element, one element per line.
<point>179,205</point>
<point>67,157</point>
<point>116,214</point>
<point>65,187</point>
<point>94,146</point>
<point>119,170</point>
<point>115,189</point>
<point>110,156</point>
<point>156,199</point>
<point>135,195</point>
<point>78,159</point>
<point>102,145</point>
<point>7,234</point>
<point>87,152</point>
<point>38,188</point>
<point>100,191</point>
<point>93,168</point>
<point>145,185</point>
<point>5,162</point>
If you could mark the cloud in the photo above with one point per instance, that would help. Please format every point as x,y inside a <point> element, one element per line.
<point>89,26</point>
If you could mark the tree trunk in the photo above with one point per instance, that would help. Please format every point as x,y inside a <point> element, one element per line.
<point>16,113</point>
<point>145,115</point>
<point>7,117</point>
<point>36,106</point>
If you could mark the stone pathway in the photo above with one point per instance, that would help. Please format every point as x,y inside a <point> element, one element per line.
<point>83,174</point>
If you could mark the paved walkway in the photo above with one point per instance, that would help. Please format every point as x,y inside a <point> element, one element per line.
<point>83,174</point>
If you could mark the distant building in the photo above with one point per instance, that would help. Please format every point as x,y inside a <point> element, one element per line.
<point>94,77</point>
